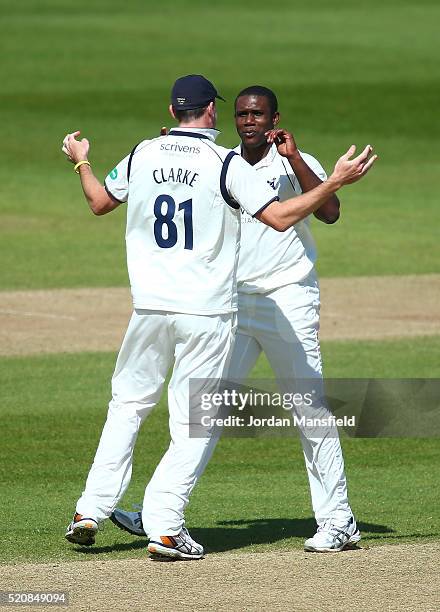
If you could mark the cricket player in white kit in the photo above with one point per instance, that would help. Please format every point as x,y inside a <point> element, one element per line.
<point>183,219</point>
<point>279,304</point>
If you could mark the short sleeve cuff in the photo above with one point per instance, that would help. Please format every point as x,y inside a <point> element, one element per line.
<point>113,197</point>
<point>275,199</point>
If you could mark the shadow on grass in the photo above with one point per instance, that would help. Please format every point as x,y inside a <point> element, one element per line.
<point>137,544</point>
<point>232,535</point>
<point>249,532</point>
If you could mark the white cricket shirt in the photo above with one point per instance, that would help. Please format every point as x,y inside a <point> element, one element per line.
<point>271,259</point>
<point>183,220</point>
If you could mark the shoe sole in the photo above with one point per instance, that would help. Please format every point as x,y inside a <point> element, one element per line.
<point>84,535</point>
<point>119,525</point>
<point>163,551</point>
<point>351,542</point>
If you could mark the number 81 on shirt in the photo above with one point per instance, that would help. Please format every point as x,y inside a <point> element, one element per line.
<point>167,219</point>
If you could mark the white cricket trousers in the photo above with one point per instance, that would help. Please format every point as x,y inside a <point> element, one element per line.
<point>284,324</point>
<point>200,347</point>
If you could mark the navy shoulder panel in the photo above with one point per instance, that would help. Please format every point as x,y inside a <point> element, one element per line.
<point>130,159</point>
<point>227,198</point>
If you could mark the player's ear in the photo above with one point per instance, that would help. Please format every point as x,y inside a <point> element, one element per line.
<point>171,109</point>
<point>276,118</point>
<point>212,112</point>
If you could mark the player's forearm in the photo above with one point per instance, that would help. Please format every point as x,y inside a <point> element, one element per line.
<point>305,175</point>
<point>97,197</point>
<point>347,170</point>
<point>282,215</point>
<point>328,212</point>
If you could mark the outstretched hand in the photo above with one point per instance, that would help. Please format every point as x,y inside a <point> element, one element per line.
<point>75,150</point>
<point>351,170</point>
<point>284,141</point>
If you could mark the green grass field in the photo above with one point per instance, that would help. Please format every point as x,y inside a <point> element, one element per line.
<point>346,74</point>
<point>51,426</point>
<point>343,73</point>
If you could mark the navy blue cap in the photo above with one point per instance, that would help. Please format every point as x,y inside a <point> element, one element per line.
<point>193,91</point>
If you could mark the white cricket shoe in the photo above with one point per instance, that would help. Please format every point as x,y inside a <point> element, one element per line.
<point>82,530</point>
<point>180,546</point>
<point>333,536</point>
<point>128,521</point>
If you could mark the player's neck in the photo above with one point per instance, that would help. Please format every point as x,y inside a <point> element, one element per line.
<point>255,154</point>
<point>203,123</point>
<point>195,124</point>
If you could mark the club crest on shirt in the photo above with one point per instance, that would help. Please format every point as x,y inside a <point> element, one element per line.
<point>274,183</point>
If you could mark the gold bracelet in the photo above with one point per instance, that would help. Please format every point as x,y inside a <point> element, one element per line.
<point>80,163</point>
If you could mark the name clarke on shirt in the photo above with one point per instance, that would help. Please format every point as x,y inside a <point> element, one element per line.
<point>175,175</point>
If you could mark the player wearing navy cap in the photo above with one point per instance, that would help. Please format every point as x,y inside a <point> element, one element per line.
<point>183,195</point>
<point>193,91</point>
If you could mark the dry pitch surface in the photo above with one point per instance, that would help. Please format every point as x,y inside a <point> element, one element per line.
<point>400,578</point>
<point>77,320</point>
<point>389,578</point>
